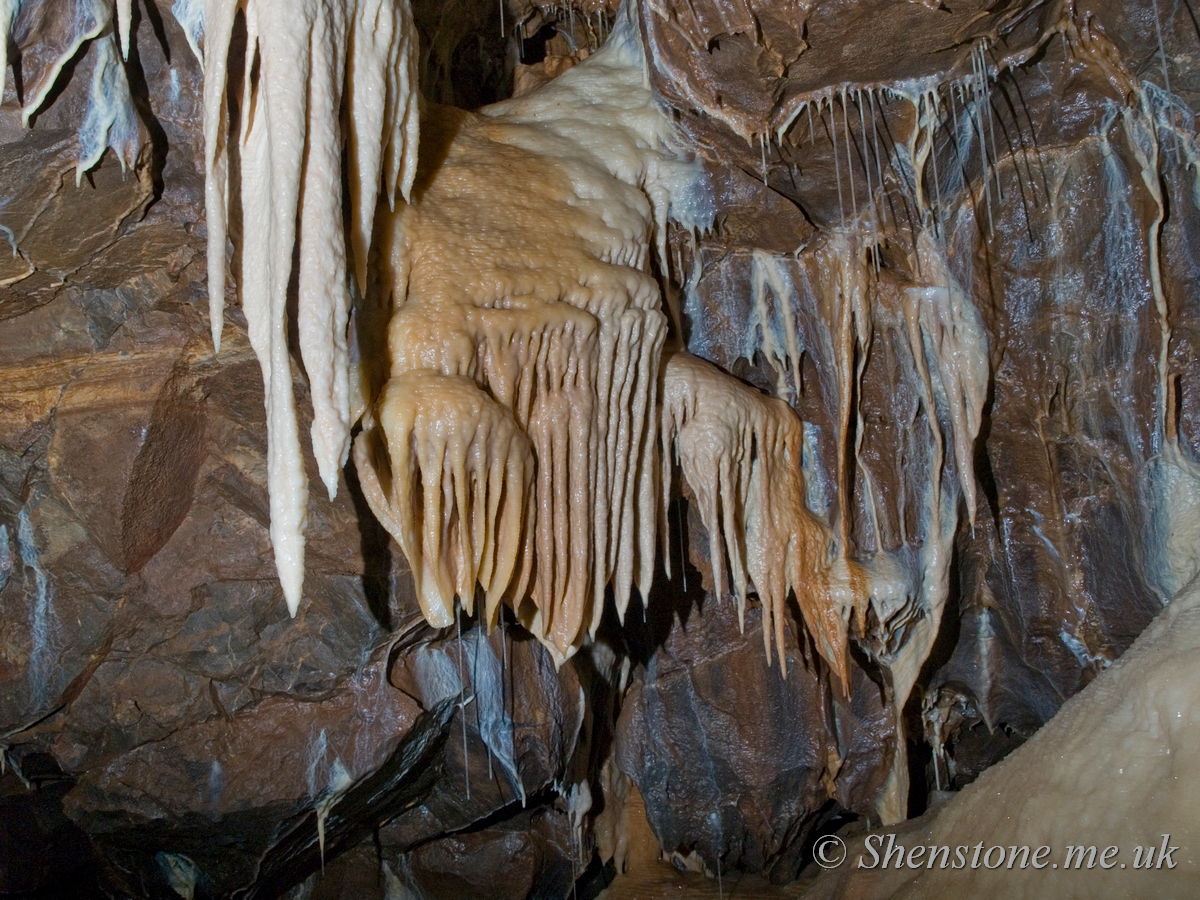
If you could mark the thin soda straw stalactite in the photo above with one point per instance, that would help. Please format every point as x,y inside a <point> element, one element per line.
<point>976,112</point>
<point>960,91</point>
<point>931,118</point>
<point>987,92</point>
<point>1162,55</point>
<point>866,160</point>
<point>878,160</point>
<point>836,166</point>
<point>682,548</point>
<point>849,158</point>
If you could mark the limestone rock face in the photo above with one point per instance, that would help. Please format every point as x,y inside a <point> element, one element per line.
<point>992,347</point>
<point>761,749</point>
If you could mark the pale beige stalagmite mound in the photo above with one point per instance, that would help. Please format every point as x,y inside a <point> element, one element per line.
<point>1119,766</point>
<point>311,57</point>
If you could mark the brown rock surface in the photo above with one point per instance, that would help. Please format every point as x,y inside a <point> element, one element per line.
<point>152,683</point>
<point>737,762</point>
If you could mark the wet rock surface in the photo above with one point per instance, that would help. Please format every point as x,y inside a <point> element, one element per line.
<point>761,748</point>
<point>168,728</point>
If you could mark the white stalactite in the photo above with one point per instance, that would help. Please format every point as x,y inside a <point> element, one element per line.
<point>310,54</point>
<point>124,23</point>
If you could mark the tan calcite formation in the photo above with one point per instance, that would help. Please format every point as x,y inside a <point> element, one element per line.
<point>739,451</point>
<point>521,283</point>
<point>466,470</point>
<point>527,322</point>
<point>513,441</point>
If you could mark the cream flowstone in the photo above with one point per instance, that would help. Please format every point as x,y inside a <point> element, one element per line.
<point>740,454</point>
<point>512,434</point>
<point>525,268</point>
<point>512,438</point>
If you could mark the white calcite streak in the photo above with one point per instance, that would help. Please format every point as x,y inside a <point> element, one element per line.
<point>952,335</point>
<point>92,17</point>
<point>8,14</point>
<point>190,15</point>
<point>310,56</point>
<point>110,120</point>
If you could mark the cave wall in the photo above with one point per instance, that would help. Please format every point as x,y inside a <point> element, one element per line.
<point>184,730</point>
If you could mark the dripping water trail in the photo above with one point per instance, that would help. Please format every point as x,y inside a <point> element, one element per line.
<point>474,683</point>
<point>987,105</point>
<point>720,880</point>
<point>574,858</point>
<point>507,693</point>
<point>1162,55</point>
<point>501,18</point>
<point>462,700</point>
<point>682,548</point>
